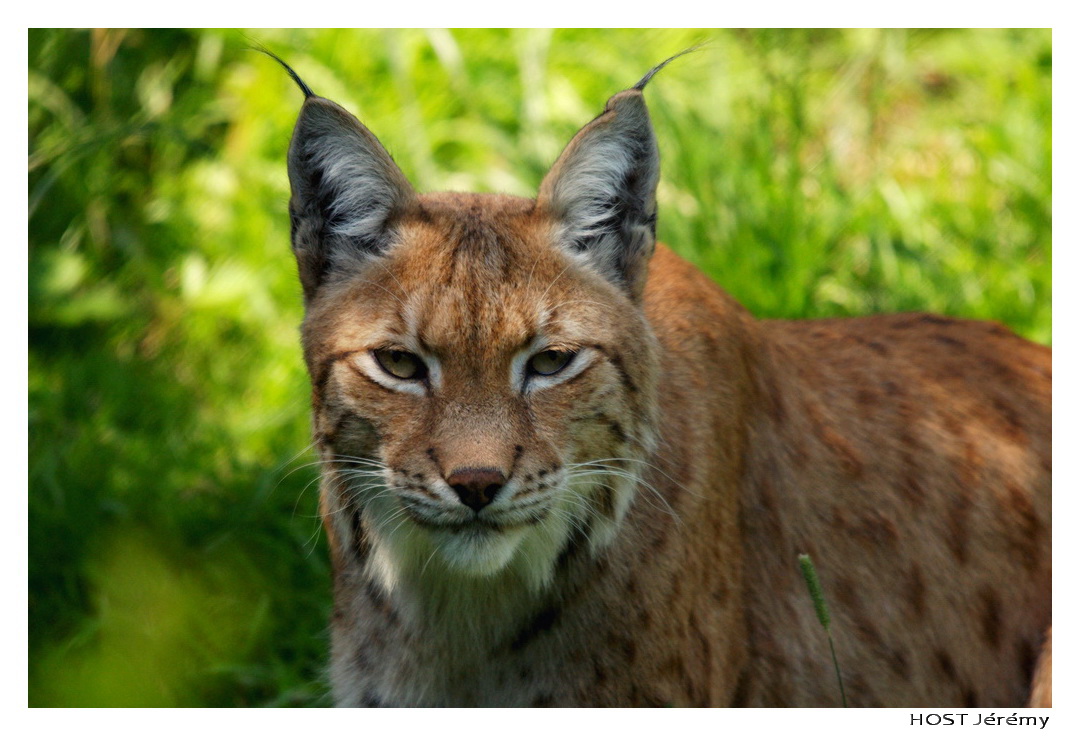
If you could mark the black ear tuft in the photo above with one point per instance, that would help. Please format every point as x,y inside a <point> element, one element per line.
<point>653,72</point>
<point>295,77</point>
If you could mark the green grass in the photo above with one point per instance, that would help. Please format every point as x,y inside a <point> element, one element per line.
<point>174,552</point>
<point>821,609</point>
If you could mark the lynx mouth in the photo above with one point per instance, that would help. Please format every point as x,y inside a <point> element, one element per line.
<point>477,525</point>
<point>514,532</point>
<point>475,547</point>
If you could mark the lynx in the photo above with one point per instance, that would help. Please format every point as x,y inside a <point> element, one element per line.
<point>561,467</point>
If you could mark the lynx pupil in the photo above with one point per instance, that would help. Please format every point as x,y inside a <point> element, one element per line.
<point>549,362</point>
<point>400,364</point>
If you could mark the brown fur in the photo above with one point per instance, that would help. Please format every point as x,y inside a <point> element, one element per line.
<point>908,454</point>
<point>1041,688</point>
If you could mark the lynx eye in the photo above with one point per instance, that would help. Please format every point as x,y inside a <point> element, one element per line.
<point>400,364</point>
<point>550,362</point>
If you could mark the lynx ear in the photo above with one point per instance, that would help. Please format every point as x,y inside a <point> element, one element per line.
<point>345,191</point>
<point>602,192</point>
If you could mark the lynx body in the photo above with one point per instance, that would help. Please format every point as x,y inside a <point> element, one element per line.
<point>562,467</point>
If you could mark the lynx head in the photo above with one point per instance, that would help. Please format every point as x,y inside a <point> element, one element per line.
<point>483,375</point>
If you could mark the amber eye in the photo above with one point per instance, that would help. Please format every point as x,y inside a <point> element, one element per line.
<point>550,362</point>
<point>400,364</point>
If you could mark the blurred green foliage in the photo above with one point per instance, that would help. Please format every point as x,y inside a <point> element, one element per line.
<point>175,554</point>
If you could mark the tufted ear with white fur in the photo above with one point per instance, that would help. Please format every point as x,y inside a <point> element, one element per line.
<point>346,192</point>
<point>602,192</point>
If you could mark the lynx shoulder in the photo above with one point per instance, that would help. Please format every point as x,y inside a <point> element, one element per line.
<point>562,467</point>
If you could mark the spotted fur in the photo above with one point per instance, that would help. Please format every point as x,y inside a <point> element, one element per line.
<point>634,533</point>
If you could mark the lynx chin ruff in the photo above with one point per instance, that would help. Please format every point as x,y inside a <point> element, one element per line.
<point>562,467</point>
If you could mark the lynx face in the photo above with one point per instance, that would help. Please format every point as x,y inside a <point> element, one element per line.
<point>473,387</point>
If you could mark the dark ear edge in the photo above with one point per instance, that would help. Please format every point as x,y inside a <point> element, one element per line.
<point>346,190</point>
<point>602,192</point>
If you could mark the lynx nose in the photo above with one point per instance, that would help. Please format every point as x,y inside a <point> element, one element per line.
<point>476,487</point>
